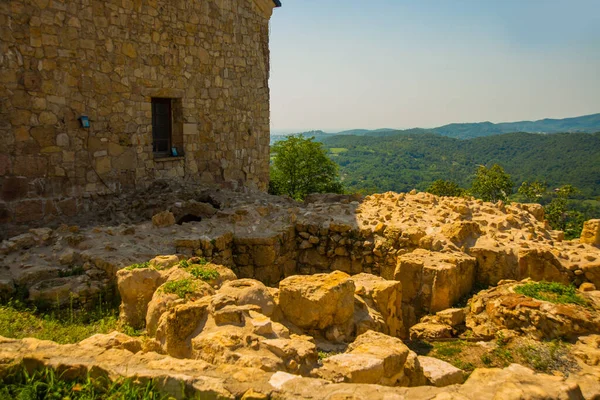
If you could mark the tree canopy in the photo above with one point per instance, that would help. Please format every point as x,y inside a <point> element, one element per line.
<point>492,184</point>
<point>300,166</point>
<point>443,187</point>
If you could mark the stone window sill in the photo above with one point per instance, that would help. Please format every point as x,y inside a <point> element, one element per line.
<point>166,159</point>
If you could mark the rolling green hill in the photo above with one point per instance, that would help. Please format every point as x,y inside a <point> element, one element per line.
<point>586,123</point>
<point>404,161</point>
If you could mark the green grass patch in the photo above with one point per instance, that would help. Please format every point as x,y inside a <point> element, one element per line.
<point>18,321</point>
<point>143,265</point>
<point>182,288</point>
<point>203,273</point>
<point>448,349</point>
<point>547,356</point>
<point>47,384</point>
<point>553,292</point>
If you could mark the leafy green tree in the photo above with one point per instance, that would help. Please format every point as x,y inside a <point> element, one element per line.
<point>560,216</point>
<point>492,184</point>
<point>442,187</point>
<point>300,166</point>
<point>533,191</point>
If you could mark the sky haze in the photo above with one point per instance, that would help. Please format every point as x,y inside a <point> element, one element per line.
<point>400,64</point>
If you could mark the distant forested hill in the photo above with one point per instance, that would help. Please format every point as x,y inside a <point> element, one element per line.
<point>403,161</point>
<point>586,123</point>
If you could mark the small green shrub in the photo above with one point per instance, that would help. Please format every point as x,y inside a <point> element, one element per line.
<point>182,288</point>
<point>553,292</point>
<point>325,354</point>
<point>184,264</point>
<point>46,384</point>
<point>486,359</point>
<point>203,273</point>
<point>145,264</point>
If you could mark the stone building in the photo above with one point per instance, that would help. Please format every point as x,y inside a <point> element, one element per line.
<point>98,97</point>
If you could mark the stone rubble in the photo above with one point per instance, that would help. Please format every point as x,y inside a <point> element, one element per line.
<point>315,296</point>
<point>439,248</point>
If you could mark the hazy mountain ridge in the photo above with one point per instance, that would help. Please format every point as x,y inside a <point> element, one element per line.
<point>582,124</point>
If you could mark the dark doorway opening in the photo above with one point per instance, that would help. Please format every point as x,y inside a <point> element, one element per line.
<point>162,126</point>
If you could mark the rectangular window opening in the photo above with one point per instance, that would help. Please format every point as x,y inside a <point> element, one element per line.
<point>167,127</point>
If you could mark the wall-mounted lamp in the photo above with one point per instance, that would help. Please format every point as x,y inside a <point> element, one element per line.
<point>85,121</point>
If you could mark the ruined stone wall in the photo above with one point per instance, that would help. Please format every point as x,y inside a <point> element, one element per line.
<point>106,60</point>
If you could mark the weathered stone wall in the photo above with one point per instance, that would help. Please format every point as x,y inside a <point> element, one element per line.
<point>61,59</point>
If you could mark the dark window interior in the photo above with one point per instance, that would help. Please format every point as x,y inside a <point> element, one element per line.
<point>162,125</point>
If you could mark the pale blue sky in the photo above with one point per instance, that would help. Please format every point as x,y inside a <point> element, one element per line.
<point>343,64</point>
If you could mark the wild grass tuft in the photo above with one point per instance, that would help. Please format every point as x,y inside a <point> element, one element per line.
<point>142,265</point>
<point>182,288</point>
<point>18,321</point>
<point>203,273</point>
<point>553,292</point>
<point>47,384</point>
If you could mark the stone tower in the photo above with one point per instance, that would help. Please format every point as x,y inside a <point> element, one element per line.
<point>98,97</point>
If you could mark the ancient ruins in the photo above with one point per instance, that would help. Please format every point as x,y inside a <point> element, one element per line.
<point>134,152</point>
<point>353,278</point>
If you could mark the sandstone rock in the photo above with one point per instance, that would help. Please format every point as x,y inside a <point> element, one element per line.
<point>163,219</point>
<point>365,318</point>
<point>433,281</point>
<point>373,358</point>
<point>113,340</point>
<point>440,373</point>
<point>461,232</point>
<point>587,287</point>
<point>591,232</point>
<point>319,301</point>
<point>253,340</point>
<point>198,377</point>
<point>352,368</point>
<point>430,330</point>
<point>452,316</point>
<point>159,304</point>
<point>517,382</point>
<point>587,349</point>
<point>164,262</point>
<point>385,297</point>
<point>501,308</point>
<point>494,262</point>
<point>249,292</point>
<point>591,271</point>
<point>535,209</point>
<point>176,326</point>
<point>541,265</point>
<point>136,288</point>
